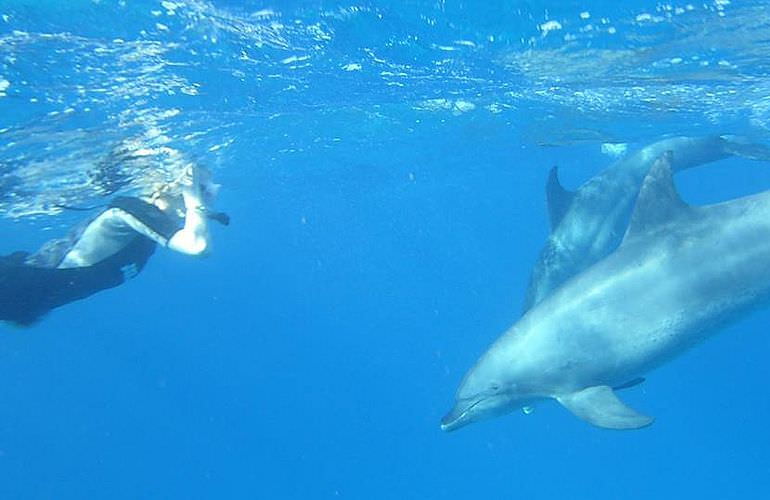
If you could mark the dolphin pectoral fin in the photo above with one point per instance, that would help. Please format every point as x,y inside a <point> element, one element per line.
<point>600,406</point>
<point>559,199</point>
<point>629,384</point>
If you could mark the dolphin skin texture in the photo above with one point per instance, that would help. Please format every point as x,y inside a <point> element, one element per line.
<point>588,224</point>
<point>679,275</point>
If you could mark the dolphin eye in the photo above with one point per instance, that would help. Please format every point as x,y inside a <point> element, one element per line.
<point>494,387</point>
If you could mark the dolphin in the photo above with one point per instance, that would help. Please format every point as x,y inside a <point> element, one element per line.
<point>680,274</point>
<point>588,224</point>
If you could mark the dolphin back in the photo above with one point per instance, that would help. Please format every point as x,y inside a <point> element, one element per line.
<point>588,224</point>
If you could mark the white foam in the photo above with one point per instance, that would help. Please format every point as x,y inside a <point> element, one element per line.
<point>464,106</point>
<point>263,13</point>
<point>435,104</point>
<point>615,150</point>
<point>549,26</point>
<point>217,147</point>
<point>352,67</point>
<point>293,59</point>
<point>4,84</point>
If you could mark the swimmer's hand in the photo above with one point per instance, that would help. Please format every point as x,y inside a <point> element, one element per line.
<point>192,239</point>
<point>193,198</point>
<point>192,201</point>
<point>220,217</point>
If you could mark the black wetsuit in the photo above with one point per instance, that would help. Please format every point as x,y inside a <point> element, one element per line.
<point>28,291</point>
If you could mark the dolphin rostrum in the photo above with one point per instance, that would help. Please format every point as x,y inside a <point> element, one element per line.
<point>588,224</point>
<point>679,275</point>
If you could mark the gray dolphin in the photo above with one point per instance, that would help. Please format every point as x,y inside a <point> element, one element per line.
<point>589,223</point>
<point>680,274</point>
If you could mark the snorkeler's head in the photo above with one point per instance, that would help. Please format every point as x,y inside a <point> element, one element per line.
<point>200,182</point>
<point>194,178</point>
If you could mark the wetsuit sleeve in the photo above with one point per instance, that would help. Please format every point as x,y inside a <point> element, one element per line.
<point>189,238</point>
<point>147,219</point>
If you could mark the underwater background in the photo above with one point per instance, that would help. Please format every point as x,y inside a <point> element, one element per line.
<point>384,164</point>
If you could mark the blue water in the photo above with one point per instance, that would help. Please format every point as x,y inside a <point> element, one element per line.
<point>383,164</point>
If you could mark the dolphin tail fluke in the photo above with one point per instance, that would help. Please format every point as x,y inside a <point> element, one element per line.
<point>739,146</point>
<point>600,406</point>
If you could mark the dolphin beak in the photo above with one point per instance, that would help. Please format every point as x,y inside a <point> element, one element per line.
<point>456,418</point>
<point>450,423</point>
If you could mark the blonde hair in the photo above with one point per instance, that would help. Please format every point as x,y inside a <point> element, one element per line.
<point>166,196</point>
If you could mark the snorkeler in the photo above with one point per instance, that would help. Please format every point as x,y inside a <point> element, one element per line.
<point>109,249</point>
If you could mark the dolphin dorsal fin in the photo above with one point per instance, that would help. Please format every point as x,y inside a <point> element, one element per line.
<point>600,406</point>
<point>559,199</point>
<point>658,202</point>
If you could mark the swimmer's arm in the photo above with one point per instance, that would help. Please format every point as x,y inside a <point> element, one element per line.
<point>193,238</point>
